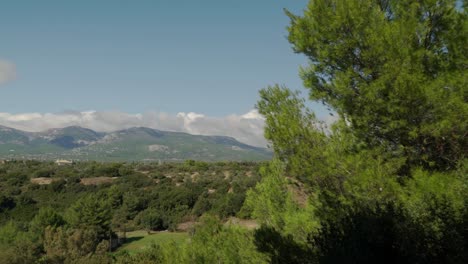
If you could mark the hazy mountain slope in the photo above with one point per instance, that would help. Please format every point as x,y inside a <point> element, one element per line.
<point>139,143</point>
<point>71,137</point>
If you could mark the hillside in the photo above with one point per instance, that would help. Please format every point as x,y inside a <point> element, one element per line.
<point>133,144</point>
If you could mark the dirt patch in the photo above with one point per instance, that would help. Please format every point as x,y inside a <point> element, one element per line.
<point>194,176</point>
<point>299,196</point>
<point>247,223</point>
<point>186,226</point>
<point>158,148</point>
<point>43,181</point>
<point>97,180</point>
<point>298,192</point>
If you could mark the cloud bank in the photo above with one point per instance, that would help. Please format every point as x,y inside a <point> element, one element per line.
<point>247,128</point>
<point>7,71</point>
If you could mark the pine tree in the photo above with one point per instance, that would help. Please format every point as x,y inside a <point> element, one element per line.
<point>395,71</point>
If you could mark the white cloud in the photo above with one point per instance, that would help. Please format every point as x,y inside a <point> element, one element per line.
<point>247,128</point>
<point>7,71</point>
<point>253,114</point>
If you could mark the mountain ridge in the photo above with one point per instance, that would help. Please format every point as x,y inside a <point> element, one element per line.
<point>131,144</point>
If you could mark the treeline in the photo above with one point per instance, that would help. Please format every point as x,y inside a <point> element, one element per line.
<point>65,213</point>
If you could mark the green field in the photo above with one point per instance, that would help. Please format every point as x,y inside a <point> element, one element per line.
<point>139,240</point>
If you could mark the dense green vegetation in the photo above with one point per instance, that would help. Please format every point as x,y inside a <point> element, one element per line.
<point>387,183</point>
<point>70,212</point>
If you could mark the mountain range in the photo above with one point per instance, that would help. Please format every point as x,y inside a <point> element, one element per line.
<point>133,144</point>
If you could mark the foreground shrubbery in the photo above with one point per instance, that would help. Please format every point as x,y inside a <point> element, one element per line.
<point>211,242</point>
<point>67,221</point>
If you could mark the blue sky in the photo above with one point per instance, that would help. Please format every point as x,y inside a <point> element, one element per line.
<point>206,56</point>
<point>189,66</point>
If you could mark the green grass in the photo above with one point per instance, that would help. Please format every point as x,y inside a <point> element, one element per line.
<point>139,240</point>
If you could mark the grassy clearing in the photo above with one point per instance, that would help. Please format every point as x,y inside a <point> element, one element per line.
<point>139,240</point>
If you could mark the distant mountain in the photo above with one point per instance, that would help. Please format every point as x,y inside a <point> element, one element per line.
<point>13,136</point>
<point>133,144</point>
<point>71,137</point>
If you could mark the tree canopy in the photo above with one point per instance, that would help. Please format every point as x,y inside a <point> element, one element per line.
<point>395,71</point>
<point>387,182</point>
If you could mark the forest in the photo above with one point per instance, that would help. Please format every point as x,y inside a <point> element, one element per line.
<point>48,210</point>
<point>386,183</point>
